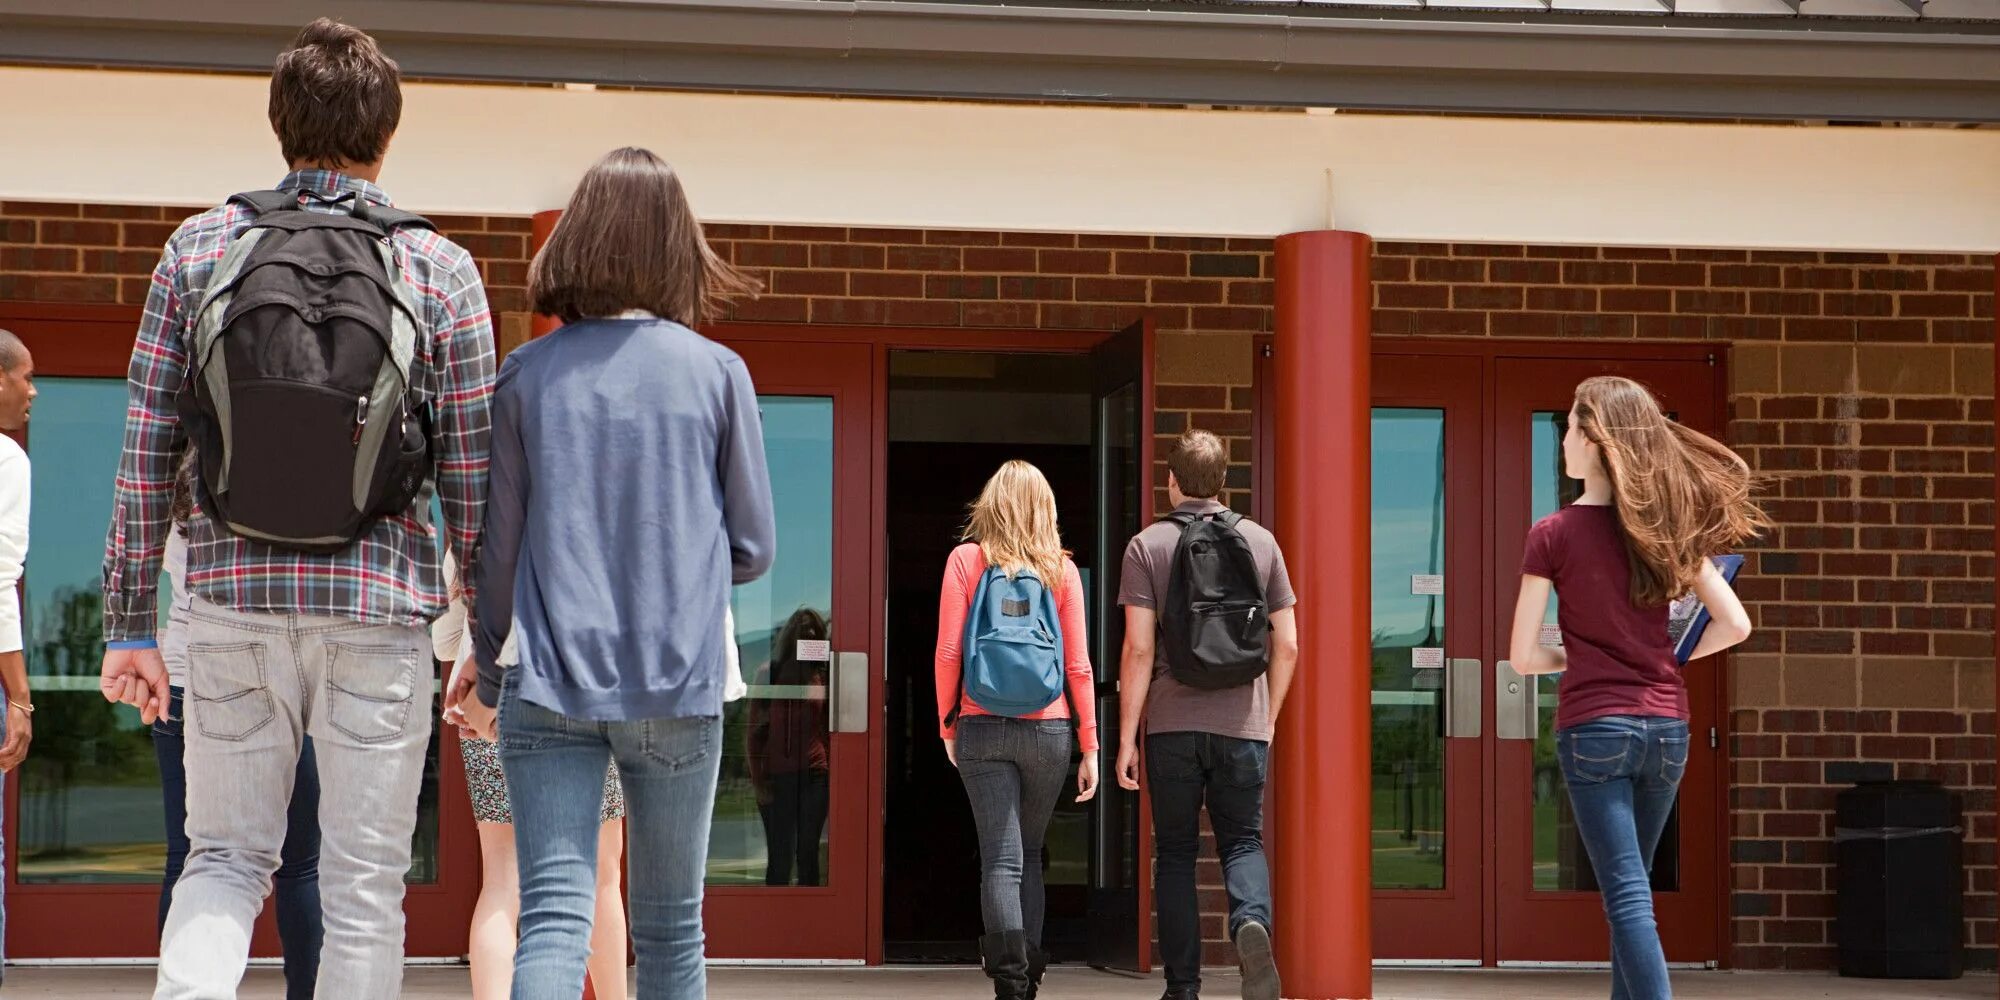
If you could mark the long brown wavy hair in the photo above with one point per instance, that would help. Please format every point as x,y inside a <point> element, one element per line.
<point>1680,495</point>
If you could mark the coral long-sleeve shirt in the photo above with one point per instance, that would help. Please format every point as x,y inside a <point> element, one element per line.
<point>961,582</point>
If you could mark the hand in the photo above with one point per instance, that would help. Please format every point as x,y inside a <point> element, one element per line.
<point>136,677</point>
<point>480,721</point>
<point>951,750</point>
<point>20,733</point>
<point>1086,777</point>
<point>463,688</point>
<point>1128,767</point>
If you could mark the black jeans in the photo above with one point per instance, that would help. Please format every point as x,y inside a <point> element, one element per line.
<point>1183,770</point>
<point>1013,771</point>
<point>297,880</point>
<point>794,821</point>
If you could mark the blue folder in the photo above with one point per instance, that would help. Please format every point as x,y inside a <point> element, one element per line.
<point>1688,619</point>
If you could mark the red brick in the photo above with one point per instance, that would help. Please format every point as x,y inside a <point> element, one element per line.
<point>144,213</point>
<point>1461,271</point>
<point>809,282</point>
<point>1447,323</point>
<point>1830,278</point>
<point>1413,296</point>
<point>1710,301</point>
<point>1895,644</point>
<point>1526,272</point>
<point>907,258</point>
<point>60,260</point>
<point>1963,279</point>
<point>865,312</point>
<point>885,285</point>
<point>1615,273</point>
<point>999,314</point>
<point>1896,747</point>
<point>1106,241</point>
<point>89,234</point>
<point>1791,772</point>
<point>1562,299</point>
<point>1192,397</point>
<point>1252,293</point>
<point>1892,331</point>
<point>999,259</point>
<point>771,309</point>
<point>1803,642</point>
<point>1486,297</point>
<point>1074,316</point>
<point>961,238</point>
<point>1189,292</point>
<point>773,254</point>
<point>1038,239</point>
<point>736,231</point>
<point>1930,409</point>
<point>1859,304</point>
<point>1385,269</point>
<point>1642,300</point>
<point>1075,262</point>
<point>1153,263</point>
<point>1230,318</point>
<point>1945,306</point>
<point>1941,723</point>
<point>1929,513</point>
<point>138,235</point>
<point>848,256</point>
<point>1111,289</point>
<point>904,312</point>
<point>954,286</point>
<point>1039,288</point>
<point>1705,254</point>
<point>54,288</point>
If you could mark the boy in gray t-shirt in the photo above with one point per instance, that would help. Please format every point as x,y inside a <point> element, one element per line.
<point>1203,746</point>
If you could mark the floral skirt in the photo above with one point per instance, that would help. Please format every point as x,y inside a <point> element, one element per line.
<point>487,784</point>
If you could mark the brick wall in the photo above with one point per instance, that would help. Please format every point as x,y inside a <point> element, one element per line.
<point>1863,382</point>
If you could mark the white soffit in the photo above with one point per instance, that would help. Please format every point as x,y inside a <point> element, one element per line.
<point>95,135</point>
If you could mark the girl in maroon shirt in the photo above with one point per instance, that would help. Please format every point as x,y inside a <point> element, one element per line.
<point>1658,501</point>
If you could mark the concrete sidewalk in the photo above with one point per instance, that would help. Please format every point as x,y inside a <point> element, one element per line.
<point>1072,984</point>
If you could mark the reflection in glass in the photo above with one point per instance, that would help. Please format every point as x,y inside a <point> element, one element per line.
<point>90,794</point>
<point>90,809</point>
<point>1407,539</point>
<point>772,801</point>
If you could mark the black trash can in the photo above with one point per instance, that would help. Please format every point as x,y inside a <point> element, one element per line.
<point>1900,873</point>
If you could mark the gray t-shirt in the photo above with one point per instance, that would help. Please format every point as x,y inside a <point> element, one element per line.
<point>1240,712</point>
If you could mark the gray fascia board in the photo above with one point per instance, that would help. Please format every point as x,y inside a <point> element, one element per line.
<point>1711,67</point>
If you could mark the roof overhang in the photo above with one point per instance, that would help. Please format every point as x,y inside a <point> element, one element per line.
<point>1258,54</point>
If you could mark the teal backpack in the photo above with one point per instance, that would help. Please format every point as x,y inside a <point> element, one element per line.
<point>1013,648</point>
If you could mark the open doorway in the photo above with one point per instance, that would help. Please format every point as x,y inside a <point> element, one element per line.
<point>954,417</point>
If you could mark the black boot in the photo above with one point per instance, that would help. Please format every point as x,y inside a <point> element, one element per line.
<point>1038,963</point>
<point>1005,957</point>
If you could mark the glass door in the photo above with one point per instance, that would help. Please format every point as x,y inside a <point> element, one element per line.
<point>1426,476</point>
<point>1121,909</point>
<point>85,819</point>
<point>788,870</point>
<point>1548,908</point>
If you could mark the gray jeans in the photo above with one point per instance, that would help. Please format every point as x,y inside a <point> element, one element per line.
<point>258,684</point>
<point>1013,771</point>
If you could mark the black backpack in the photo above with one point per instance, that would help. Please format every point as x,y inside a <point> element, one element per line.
<point>1214,623</point>
<point>298,401</point>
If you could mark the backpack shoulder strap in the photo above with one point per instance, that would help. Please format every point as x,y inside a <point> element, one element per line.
<point>267,202</point>
<point>391,219</point>
<point>1228,518</point>
<point>965,642</point>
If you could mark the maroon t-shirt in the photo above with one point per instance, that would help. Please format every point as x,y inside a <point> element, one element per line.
<point>1620,659</point>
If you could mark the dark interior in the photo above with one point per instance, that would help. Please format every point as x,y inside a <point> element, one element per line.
<point>954,417</point>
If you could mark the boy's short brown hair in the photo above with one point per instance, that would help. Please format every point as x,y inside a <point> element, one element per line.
<point>335,97</point>
<point>1200,464</point>
<point>629,240</point>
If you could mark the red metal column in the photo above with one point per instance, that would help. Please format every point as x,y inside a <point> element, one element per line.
<point>1320,796</point>
<point>1996,417</point>
<point>545,223</point>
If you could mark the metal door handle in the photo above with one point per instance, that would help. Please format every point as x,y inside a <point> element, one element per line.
<point>1516,704</point>
<point>848,708</point>
<point>1462,710</point>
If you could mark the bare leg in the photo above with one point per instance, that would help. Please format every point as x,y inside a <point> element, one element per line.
<point>608,946</point>
<point>495,915</point>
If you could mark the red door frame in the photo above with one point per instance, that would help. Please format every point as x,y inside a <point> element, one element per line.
<point>883,340</point>
<point>96,342</point>
<point>1716,355</point>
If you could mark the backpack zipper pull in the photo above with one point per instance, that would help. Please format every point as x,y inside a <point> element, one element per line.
<point>360,417</point>
<point>1249,616</point>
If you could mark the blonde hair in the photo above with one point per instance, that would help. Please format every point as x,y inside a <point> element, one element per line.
<point>1014,522</point>
<point>1680,495</point>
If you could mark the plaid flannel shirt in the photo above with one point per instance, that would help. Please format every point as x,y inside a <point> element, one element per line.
<point>391,575</point>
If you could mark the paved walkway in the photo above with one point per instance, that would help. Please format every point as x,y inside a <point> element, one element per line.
<point>1073,984</point>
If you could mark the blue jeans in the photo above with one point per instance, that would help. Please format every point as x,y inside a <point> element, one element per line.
<point>555,783</point>
<point>297,880</point>
<point>1623,773</point>
<point>1183,770</point>
<point>1014,771</point>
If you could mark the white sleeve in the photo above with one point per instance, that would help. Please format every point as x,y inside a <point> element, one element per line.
<point>14,493</point>
<point>449,633</point>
